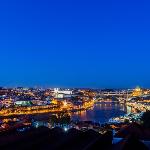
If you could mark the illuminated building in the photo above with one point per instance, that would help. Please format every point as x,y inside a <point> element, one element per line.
<point>58,91</point>
<point>59,95</point>
<point>137,92</point>
<point>62,93</point>
<point>7,102</point>
<point>23,103</point>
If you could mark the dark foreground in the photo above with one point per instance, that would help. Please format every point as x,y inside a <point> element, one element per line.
<point>57,139</point>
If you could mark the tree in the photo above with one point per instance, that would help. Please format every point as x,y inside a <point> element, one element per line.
<point>53,119</point>
<point>126,121</point>
<point>61,118</point>
<point>65,119</point>
<point>146,119</point>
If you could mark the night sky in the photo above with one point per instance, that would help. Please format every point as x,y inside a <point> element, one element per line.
<point>75,43</point>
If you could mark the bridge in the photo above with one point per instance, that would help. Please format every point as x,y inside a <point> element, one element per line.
<point>116,93</point>
<point>121,96</point>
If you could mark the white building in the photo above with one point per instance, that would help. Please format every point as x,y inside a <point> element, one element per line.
<point>62,93</point>
<point>58,91</point>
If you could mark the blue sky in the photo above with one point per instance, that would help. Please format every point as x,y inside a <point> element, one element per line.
<point>75,43</point>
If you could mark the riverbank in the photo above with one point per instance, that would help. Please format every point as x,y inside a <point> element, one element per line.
<point>35,110</point>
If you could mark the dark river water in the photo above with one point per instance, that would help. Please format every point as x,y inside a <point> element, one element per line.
<point>101,112</point>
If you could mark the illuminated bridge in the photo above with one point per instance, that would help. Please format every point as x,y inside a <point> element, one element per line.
<point>115,93</point>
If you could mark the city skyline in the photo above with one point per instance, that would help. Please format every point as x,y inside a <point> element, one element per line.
<point>75,44</point>
<point>74,74</point>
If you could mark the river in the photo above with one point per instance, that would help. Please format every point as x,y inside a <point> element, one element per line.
<point>101,112</point>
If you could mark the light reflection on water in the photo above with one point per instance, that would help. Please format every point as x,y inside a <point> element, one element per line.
<point>101,112</point>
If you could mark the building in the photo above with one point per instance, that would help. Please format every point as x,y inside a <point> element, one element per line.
<point>23,103</point>
<point>58,93</point>
<point>137,92</point>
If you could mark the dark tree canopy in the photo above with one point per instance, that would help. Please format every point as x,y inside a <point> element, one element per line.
<point>146,119</point>
<point>61,118</point>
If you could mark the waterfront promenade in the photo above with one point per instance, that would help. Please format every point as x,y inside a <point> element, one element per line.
<point>31,110</point>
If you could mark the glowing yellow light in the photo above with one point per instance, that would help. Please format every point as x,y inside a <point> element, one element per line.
<point>65,104</point>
